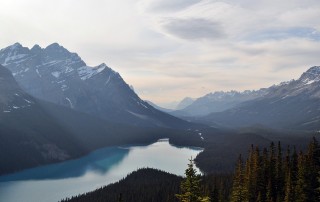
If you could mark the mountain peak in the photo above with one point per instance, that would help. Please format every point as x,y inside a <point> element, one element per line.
<point>16,45</point>
<point>13,47</point>
<point>55,47</point>
<point>311,75</point>
<point>314,70</point>
<point>36,48</point>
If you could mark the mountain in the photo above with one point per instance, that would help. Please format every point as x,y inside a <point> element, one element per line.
<point>158,107</point>
<point>291,105</point>
<point>35,132</point>
<point>216,102</point>
<point>185,103</point>
<point>28,135</point>
<point>56,75</point>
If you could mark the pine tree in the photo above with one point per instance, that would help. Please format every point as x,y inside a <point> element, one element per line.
<point>294,170</point>
<point>289,188</point>
<point>257,173</point>
<point>300,188</point>
<point>279,181</point>
<point>271,189</point>
<point>239,189</point>
<point>214,195</point>
<point>120,198</point>
<point>319,185</point>
<point>312,164</point>
<point>190,186</point>
<point>248,173</point>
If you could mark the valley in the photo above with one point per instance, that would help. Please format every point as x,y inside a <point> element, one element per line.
<point>63,122</point>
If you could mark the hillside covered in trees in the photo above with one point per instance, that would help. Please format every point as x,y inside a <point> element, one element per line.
<point>268,175</point>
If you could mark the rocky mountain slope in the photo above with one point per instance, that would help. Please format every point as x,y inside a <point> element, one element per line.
<point>291,105</point>
<point>56,75</point>
<point>35,132</point>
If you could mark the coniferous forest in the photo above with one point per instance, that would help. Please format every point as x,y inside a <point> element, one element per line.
<point>272,174</point>
<point>268,175</point>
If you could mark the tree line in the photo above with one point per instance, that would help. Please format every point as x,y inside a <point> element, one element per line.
<point>272,174</point>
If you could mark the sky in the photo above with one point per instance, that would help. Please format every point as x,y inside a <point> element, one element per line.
<point>171,49</point>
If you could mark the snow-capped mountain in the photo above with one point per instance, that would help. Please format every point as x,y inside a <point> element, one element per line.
<point>12,98</point>
<point>218,101</point>
<point>28,134</point>
<point>291,105</point>
<point>35,132</point>
<point>56,75</point>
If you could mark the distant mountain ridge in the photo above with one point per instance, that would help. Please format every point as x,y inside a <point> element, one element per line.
<point>187,101</point>
<point>292,105</point>
<point>218,101</point>
<point>56,75</point>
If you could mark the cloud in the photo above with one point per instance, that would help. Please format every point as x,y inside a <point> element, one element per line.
<point>285,33</point>
<point>169,49</point>
<point>167,5</point>
<point>194,28</point>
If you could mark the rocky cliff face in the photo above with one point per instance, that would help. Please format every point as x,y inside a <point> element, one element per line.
<point>56,75</point>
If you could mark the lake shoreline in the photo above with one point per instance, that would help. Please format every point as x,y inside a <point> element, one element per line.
<point>99,168</point>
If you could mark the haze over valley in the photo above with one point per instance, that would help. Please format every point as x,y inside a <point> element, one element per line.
<point>191,100</point>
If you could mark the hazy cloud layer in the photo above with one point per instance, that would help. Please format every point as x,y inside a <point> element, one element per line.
<point>194,28</point>
<point>169,49</point>
<point>168,5</point>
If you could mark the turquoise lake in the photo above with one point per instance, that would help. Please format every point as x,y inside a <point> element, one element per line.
<point>104,166</point>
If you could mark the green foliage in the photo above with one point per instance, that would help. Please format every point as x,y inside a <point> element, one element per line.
<point>190,186</point>
<point>239,190</point>
<point>271,178</point>
<point>265,177</point>
<point>144,185</point>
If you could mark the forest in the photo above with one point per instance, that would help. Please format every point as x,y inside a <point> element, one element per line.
<point>269,174</point>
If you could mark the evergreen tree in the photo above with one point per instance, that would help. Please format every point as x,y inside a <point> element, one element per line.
<point>300,188</point>
<point>289,188</point>
<point>294,170</point>
<point>120,198</point>
<point>271,190</point>
<point>214,195</point>
<point>239,192</point>
<point>264,174</point>
<point>190,186</point>
<point>279,181</point>
<point>319,185</point>
<point>312,165</point>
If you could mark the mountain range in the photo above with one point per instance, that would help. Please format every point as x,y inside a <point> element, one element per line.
<point>58,76</point>
<point>34,132</point>
<point>54,108</point>
<point>290,105</point>
<point>215,102</point>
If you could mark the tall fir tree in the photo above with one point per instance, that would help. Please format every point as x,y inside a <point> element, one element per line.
<point>190,186</point>
<point>312,164</point>
<point>289,189</point>
<point>271,190</point>
<point>300,188</point>
<point>279,181</point>
<point>239,191</point>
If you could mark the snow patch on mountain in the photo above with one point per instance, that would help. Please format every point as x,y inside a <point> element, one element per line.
<point>71,105</point>
<point>56,74</point>
<point>87,72</point>
<point>37,73</point>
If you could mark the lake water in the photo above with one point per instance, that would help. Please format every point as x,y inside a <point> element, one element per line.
<point>57,181</point>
